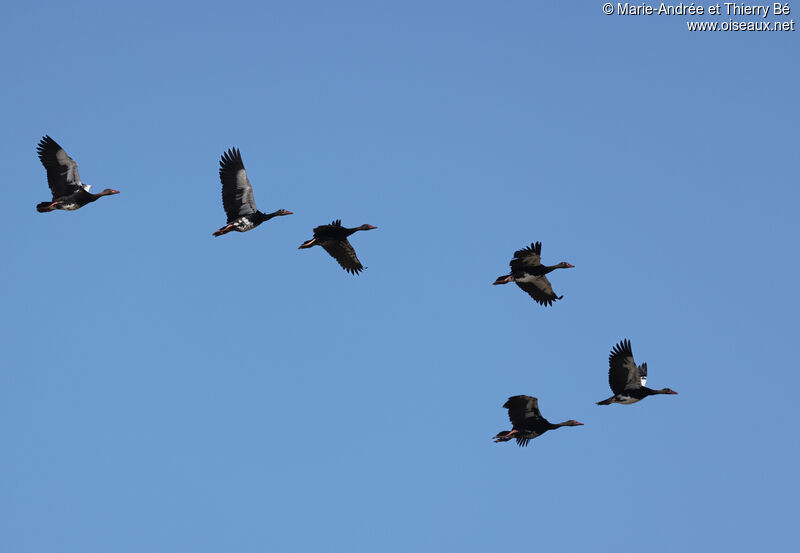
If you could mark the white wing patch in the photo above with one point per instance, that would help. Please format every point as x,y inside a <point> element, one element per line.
<point>626,400</point>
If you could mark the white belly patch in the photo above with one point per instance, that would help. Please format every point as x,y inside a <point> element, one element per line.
<point>243,224</point>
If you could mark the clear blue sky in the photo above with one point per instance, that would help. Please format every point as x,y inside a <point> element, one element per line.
<point>166,391</point>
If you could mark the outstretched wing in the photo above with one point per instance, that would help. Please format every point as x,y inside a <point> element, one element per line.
<point>342,251</point>
<point>527,257</point>
<point>62,171</point>
<point>622,370</point>
<point>538,287</point>
<point>522,408</point>
<point>237,193</point>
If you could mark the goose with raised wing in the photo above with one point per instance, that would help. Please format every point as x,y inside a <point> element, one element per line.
<point>628,381</point>
<point>69,193</point>
<point>527,422</point>
<point>333,239</point>
<point>237,196</point>
<point>529,274</point>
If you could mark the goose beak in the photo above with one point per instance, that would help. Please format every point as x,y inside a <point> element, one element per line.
<point>370,227</point>
<point>570,266</point>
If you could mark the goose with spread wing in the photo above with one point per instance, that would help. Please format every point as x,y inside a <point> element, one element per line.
<point>333,239</point>
<point>628,381</point>
<point>69,193</point>
<point>529,274</point>
<point>526,421</point>
<point>237,196</point>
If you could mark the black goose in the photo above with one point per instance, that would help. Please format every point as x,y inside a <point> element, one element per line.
<point>69,193</point>
<point>528,272</point>
<point>526,420</point>
<point>627,381</point>
<point>237,196</point>
<point>333,238</point>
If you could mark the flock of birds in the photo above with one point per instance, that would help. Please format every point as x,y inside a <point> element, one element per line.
<point>626,379</point>
<point>69,194</point>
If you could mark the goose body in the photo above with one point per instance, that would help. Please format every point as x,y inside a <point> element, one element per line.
<point>528,273</point>
<point>68,192</point>
<point>526,421</point>
<point>237,196</point>
<point>333,239</point>
<point>626,379</point>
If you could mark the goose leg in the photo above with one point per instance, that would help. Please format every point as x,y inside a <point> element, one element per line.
<point>224,230</point>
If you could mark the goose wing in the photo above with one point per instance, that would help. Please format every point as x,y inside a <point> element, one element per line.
<point>342,251</point>
<point>334,231</point>
<point>622,370</point>
<point>62,170</point>
<point>527,257</point>
<point>521,409</point>
<point>237,192</point>
<point>539,288</point>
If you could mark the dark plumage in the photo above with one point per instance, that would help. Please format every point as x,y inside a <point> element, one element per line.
<point>333,238</point>
<point>237,196</point>
<point>627,381</point>
<point>528,272</point>
<point>69,193</point>
<point>526,421</point>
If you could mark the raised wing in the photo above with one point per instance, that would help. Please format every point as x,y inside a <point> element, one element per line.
<point>622,370</point>
<point>237,193</point>
<point>62,171</point>
<point>527,257</point>
<point>328,231</point>
<point>522,408</point>
<point>538,287</point>
<point>342,251</point>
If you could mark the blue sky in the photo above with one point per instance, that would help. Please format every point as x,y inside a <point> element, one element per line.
<point>166,391</point>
